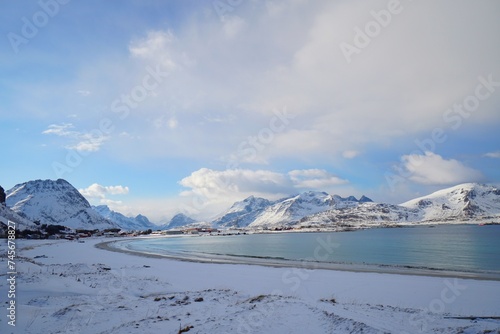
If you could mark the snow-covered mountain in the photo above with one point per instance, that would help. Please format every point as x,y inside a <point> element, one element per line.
<point>54,202</point>
<point>290,211</point>
<point>242,213</point>
<point>138,223</point>
<point>179,220</point>
<point>58,202</point>
<point>463,202</point>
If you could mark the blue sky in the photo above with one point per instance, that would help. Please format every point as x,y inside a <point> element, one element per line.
<point>160,107</point>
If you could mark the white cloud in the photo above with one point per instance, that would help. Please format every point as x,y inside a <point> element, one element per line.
<point>494,155</point>
<point>350,154</point>
<point>216,190</point>
<point>287,54</point>
<point>98,195</point>
<point>162,121</point>
<point>111,203</point>
<point>60,130</point>
<point>98,191</point>
<point>157,47</point>
<point>432,169</point>
<point>173,123</point>
<point>233,25</point>
<point>317,179</point>
<point>84,93</point>
<point>88,143</point>
<point>214,184</point>
<point>155,42</point>
<point>83,141</point>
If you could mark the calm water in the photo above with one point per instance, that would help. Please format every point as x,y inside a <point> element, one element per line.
<point>467,248</point>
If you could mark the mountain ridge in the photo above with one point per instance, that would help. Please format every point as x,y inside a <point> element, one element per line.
<point>58,202</point>
<point>138,223</point>
<point>461,203</point>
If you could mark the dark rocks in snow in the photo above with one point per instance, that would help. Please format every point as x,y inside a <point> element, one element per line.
<point>2,196</point>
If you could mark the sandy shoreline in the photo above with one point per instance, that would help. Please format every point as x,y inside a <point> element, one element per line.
<point>276,263</point>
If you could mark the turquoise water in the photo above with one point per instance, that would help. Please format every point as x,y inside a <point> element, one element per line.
<point>465,248</point>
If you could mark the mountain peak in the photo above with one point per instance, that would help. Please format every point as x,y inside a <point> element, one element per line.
<point>364,199</point>
<point>242,213</point>
<point>463,201</point>
<point>102,208</point>
<point>54,202</point>
<point>179,220</point>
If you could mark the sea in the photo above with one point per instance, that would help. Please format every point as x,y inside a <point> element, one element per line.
<point>442,248</point>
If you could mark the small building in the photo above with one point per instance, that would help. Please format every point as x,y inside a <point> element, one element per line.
<point>172,232</point>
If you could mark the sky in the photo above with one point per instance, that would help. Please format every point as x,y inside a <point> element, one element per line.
<point>159,107</point>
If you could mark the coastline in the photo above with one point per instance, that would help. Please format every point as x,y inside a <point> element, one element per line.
<point>79,287</point>
<point>304,265</point>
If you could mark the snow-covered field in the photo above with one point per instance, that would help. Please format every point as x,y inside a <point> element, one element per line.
<point>72,287</point>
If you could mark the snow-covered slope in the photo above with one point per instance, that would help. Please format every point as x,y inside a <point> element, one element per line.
<point>6,215</point>
<point>179,220</point>
<point>463,202</point>
<point>363,214</point>
<point>292,210</point>
<point>138,223</point>
<point>242,213</point>
<point>21,223</point>
<point>54,202</point>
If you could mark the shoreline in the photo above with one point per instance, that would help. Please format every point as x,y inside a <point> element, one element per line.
<point>276,263</point>
<point>67,286</point>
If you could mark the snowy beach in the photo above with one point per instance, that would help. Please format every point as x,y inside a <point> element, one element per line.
<point>74,287</point>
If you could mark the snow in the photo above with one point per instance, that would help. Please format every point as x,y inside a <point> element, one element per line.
<point>7,214</point>
<point>293,209</point>
<point>54,202</point>
<point>139,223</point>
<point>71,287</point>
<point>257,212</point>
<point>242,213</point>
<point>178,220</point>
<point>462,201</point>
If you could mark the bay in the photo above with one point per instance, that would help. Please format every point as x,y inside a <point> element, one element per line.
<point>463,248</point>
